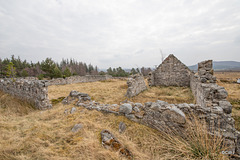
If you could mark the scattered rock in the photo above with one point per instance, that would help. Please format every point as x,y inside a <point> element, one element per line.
<point>136,109</point>
<point>226,106</point>
<point>73,110</point>
<point>139,115</point>
<point>122,127</point>
<point>217,110</point>
<point>174,114</point>
<point>139,105</point>
<point>131,117</point>
<point>66,111</point>
<point>125,108</point>
<point>110,142</point>
<point>75,95</point>
<point>77,127</point>
<point>148,104</point>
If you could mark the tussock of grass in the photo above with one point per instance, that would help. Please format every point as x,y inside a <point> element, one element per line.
<point>193,143</point>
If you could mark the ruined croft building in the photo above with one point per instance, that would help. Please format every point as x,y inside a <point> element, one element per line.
<point>172,72</point>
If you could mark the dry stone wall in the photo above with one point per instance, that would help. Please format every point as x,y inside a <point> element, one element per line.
<point>79,79</point>
<point>136,84</point>
<point>214,106</point>
<point>34,91</point>
<point>172,72</point>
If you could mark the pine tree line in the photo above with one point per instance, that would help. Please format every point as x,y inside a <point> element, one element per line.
<point>15,67</point>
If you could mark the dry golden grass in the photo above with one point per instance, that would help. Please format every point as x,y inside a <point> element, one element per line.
<point>113,92</point>
<point>47,135</point>
<point>233,89</point>
<point>12,106</point>
<point>168,94</point>
<point>232,76</point>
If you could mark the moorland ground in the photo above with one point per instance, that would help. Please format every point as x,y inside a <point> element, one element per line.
<point>27,133</point>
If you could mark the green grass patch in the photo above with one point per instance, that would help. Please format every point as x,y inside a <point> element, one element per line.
<point>56,101</point>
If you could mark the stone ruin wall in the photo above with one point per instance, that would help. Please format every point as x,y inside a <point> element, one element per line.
<point>215,108</point>
<point>163,116</point>
<point>136,85</point>
<point>36,91</point>
<point>211,103</point>
<point>172,72</point>
<point>33,91</point>
<point>79,79</point>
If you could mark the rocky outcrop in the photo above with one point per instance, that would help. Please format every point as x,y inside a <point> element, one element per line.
<point>136,85</point>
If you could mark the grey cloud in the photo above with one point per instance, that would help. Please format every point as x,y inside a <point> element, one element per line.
<point>120,33</point>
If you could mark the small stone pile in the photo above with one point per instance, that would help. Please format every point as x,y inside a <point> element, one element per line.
<point>75,95</point>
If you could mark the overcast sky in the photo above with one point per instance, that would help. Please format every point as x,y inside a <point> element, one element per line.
<point>126,33</point>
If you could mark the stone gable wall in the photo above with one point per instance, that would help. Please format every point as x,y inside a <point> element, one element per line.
<point>171,72</point>
<point>136,84</point>
<point>33,91</point>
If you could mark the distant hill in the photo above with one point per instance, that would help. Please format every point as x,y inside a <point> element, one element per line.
<point>221,66</point>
